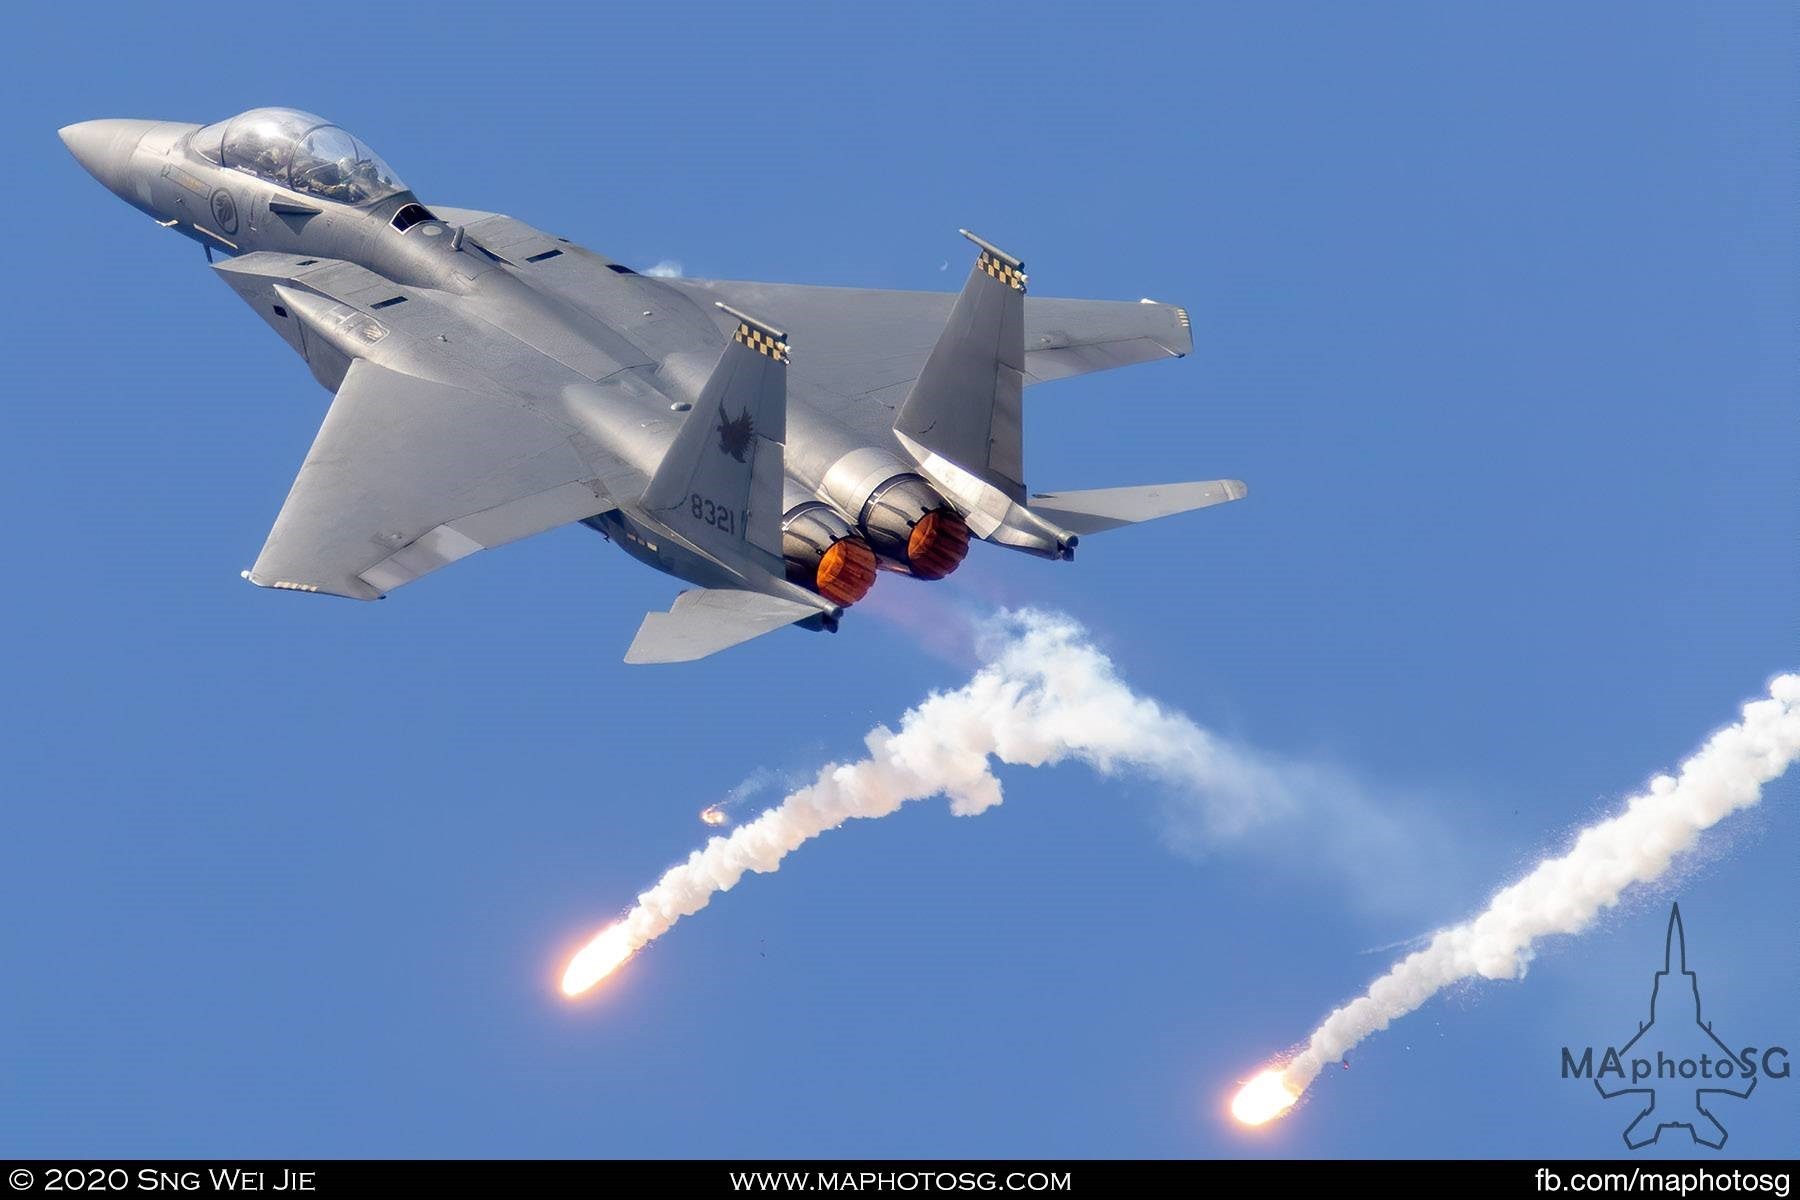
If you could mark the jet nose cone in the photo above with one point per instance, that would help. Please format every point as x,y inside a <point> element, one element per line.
<point>105,148</point>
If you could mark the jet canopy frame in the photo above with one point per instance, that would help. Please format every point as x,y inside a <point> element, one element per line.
<point>302,152</point>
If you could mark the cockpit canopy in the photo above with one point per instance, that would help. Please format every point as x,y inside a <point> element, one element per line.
<point>300,151</point>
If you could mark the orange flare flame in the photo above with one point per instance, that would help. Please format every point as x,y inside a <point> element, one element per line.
<point>602,956</point>
<point>1264,1098</point>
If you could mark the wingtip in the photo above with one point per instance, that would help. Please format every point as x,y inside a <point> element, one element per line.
<point>254,579</point>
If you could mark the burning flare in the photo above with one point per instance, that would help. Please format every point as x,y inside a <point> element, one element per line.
<point>1562,895</point>
<point>1264,1098</point>
<point>602,956</point>
<point>1046,695</point>
<point>713,815</point>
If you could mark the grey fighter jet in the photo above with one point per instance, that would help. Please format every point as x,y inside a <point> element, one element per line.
<point>493,381</point>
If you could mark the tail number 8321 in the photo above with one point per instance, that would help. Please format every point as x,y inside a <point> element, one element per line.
<point>716,515</point>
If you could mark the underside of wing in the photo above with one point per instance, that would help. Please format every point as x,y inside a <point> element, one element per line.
<point>707,620</point>
<point>408,475</point>
<point>863,342</point>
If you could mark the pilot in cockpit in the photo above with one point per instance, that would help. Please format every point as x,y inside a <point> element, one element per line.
<point>300,151</point>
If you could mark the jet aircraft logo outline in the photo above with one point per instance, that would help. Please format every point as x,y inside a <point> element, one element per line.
<point>1693,1115</point>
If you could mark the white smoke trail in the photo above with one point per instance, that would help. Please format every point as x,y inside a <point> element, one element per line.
<point>666,268</point>
<point>1562,894</point>
<point>1045,695</point>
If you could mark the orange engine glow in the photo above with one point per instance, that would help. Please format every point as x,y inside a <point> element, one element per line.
<point>939,543</point>
<point>846,572</point>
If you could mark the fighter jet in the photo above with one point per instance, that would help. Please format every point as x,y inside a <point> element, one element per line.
<point>493,381</point>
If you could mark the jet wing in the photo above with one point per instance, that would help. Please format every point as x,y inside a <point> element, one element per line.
<point>861,342</point>
<point>854,342</point>
<point>408,475</point>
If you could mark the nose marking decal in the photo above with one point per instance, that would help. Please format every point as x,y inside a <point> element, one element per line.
<point>224,210</point>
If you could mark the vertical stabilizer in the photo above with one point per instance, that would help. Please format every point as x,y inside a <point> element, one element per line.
<point>719,486</point>
<point>966,405</point>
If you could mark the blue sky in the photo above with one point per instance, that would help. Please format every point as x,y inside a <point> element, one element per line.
<point>1495,308</point>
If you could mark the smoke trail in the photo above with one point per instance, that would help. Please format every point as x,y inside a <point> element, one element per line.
<point>1045,695</point>
<point>1563,894</point>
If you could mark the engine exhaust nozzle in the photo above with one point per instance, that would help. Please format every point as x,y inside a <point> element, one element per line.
<point>937,544</point>
<point>824,554</point>
<point>914,529</point>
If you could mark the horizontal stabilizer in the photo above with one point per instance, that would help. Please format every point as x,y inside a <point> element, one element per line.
<point>1109,508</point>
<point>708,620</point>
